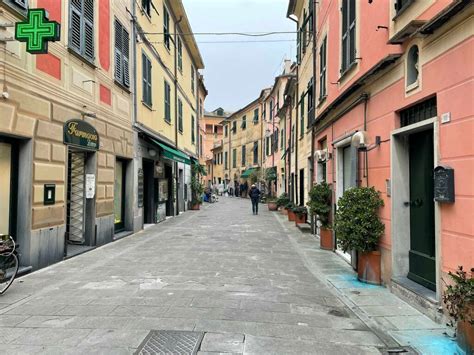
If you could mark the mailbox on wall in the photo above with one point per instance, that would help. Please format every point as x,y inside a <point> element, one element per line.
<point>444,184</point>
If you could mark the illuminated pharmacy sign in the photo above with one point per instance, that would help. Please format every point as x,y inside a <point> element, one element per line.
<point>37,31</point>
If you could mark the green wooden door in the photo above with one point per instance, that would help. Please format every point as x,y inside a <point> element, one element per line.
<point>422,263</point>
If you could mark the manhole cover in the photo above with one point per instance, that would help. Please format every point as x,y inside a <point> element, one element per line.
<point>170,342</point>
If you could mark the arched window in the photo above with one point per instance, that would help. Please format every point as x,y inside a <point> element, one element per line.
<point>412,66</point>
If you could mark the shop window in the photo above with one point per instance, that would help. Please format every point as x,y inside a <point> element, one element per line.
<point>412,67</point>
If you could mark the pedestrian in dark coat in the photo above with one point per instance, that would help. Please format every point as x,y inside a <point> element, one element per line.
<point>254,195</point>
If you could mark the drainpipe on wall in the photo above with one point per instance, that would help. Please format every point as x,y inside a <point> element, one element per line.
<point>294,184</point>
<point>176,108</point>
<point>313,135</point>
<point>136,155</point>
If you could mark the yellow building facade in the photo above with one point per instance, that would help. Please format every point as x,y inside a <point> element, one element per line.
<point>62,195</point>
<point>301,170</point>
<point>168,104</point>
<point>242,143</point>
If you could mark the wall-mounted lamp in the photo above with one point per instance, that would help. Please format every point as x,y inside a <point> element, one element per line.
<point>152,153</point>
<point>360,140</point>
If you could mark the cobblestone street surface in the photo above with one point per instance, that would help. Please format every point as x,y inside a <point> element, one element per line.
<point>244,281</point>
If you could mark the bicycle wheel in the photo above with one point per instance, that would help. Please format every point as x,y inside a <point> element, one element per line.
<point>8,270</point>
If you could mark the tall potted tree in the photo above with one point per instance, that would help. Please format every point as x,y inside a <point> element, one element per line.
<point>320,205</point>
<point>358,227</point>
<point>196,187</point>
<point>459,300</point>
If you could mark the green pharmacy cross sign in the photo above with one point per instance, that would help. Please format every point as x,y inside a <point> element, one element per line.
<point>37,31</point>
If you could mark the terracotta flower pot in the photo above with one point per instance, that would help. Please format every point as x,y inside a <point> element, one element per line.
<point>284,211</point>
<point>369,267</point>
<point>291,216</point>
<point>196,207</point>
<point>326,239</point>
<point>465,332</point>
<point>272,206</point>
<point>300,218</point>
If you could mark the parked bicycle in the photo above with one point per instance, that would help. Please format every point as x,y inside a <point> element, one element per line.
<point>8,262</point>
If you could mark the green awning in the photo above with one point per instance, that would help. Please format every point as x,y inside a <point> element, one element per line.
<point>173,154</point>
<point>247,172</point>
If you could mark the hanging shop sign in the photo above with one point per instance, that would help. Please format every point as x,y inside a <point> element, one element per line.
<point>37,31</point>
<point>81,134</point>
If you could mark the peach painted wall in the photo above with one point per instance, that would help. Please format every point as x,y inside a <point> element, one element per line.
<point>450,77</point>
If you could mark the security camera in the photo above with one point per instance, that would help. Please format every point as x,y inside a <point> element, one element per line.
<point>5,95</point>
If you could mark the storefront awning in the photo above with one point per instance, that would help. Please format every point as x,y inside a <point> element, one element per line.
<point>173,154</point>
<point>247,173</point>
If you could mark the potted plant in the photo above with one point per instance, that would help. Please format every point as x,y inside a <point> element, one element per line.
<point>281,202</point>
<point>320,205</point>
<point>289,208</point>
<point>272,203</point>
<point>300,214</point>
<point>459,300</point>
<point>196,187</point>
<point>358,227</point>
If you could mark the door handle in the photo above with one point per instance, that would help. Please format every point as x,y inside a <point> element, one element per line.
<point>415,203</point>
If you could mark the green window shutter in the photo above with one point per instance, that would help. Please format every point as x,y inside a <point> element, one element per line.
<point>75,25</point>
<point>118,51</point>
<point>88,28</point>
<point>126,57</point>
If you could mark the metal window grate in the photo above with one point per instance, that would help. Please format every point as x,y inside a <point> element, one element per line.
<point>170,342</point>
<point>422,111</point>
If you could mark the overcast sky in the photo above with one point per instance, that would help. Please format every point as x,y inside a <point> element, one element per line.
<point>236,72</point>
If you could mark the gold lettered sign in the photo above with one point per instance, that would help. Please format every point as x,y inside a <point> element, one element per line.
<point>81,134</point>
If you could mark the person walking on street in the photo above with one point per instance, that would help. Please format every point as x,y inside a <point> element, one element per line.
<point>254,195</point>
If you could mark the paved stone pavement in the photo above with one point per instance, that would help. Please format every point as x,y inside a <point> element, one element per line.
<point>243,279</point>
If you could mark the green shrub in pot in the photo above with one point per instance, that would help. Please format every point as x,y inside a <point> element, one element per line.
<point>319,203</point>
<point>357,223</point>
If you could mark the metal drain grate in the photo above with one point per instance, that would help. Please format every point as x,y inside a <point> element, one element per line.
<point>402,350</point>
<point>170,342</point>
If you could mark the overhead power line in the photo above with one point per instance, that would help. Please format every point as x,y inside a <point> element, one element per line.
<point>246,34</point>
<point>262,41</point>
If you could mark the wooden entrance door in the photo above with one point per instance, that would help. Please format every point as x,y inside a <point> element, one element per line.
<point>422,263</point>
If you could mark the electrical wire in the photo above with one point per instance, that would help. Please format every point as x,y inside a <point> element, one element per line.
<point>262,41</point>
<point>247,34</point>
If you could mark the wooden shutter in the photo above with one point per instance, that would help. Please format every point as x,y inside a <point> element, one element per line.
<point>21,3</point>
<point>352,33</point>
<point>88,28</point>
<point>126,57</point>
<point>75,25</point>
<point>118,51</point>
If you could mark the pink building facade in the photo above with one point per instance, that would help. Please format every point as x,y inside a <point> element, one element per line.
<point>400,74</point>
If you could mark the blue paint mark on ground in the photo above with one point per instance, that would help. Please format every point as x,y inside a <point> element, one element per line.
<point>351,281</point>
<point>438,345</point>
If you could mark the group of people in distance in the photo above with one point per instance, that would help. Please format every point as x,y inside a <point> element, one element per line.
<point>237,190</point>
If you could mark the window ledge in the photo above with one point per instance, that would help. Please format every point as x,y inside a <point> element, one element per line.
<point>148,106</point>
<point>122,86</point>
<point>402,10</point>
<point>412,86</point>
<point>167,121</point>
<point>82,58</point>
<point>321,100</point>
<point>180,131</point>
<point>349,69</point>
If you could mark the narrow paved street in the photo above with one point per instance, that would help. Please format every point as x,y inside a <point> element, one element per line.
<point>219,270</point>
